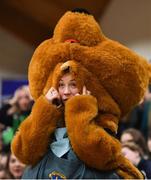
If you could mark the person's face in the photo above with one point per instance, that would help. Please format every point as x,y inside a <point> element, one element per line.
<point>3,174</point>
<point>126,137</point>
<point>3,160</point>
<point>23,100</point>
<point>16,168</point>
<point>133,156</point>
<point>67,87</point>
<point>149,144</point>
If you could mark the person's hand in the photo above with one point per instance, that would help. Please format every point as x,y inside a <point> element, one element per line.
<point>53,96</point>
<point>84,91</point>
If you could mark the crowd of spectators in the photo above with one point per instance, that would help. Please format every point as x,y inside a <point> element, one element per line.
<point>12,113</point>
<point>134,133</point>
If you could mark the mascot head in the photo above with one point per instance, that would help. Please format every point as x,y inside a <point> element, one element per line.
<point>105,67</point>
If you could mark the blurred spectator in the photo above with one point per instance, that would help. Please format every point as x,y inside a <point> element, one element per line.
<point>2,126</point>
<point>3,159</point>
<point>1,142</point>
<point>140,117</point>
<point>149,143</point>
<point>15,111</point>
<point>15,167</point>
<point>133,135</point>
<point>3,149</point>
<point>4,173</point>
<point>135,154</point>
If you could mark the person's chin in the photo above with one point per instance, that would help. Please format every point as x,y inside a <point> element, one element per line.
<point>64,101</point>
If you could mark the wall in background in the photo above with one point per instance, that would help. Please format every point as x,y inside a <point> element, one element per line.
<point>14,59</point>
<point>14,55</point>
<point>129,22</point>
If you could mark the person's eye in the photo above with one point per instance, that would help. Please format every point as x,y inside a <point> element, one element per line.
<point>73,85</point>
<point>61,85</point>
<point>26,97</point>
<point>13,161</point>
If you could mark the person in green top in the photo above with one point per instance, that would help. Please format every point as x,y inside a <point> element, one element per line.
<point>14,112</point>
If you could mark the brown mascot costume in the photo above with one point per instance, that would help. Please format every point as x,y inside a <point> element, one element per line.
<point>116,77</point>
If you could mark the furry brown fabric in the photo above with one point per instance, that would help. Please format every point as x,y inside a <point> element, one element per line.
<point>31,141</point>
<point>112,63</point>
<point>92,143</point>
<point>117,78</point>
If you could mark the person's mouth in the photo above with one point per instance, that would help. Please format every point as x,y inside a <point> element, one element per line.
<point>65,100</point>
<point>18,171</point>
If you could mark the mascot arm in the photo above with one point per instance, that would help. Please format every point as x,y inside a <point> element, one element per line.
<point>91,142</point>
<point>87,136</point>
<point>31,141</point>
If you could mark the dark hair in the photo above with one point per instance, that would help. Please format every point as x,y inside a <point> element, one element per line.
<point>149,134</point>
<point>138,139</point>
<point>7,174</point>
<point>134,147</point>
<point>7,165</point>
<point>81,10</point>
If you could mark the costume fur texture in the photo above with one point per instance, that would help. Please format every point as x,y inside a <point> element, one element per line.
<point>116,77</point>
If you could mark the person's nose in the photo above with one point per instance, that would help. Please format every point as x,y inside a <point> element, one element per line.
<point>67,90</point>
<point>17,164</point>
